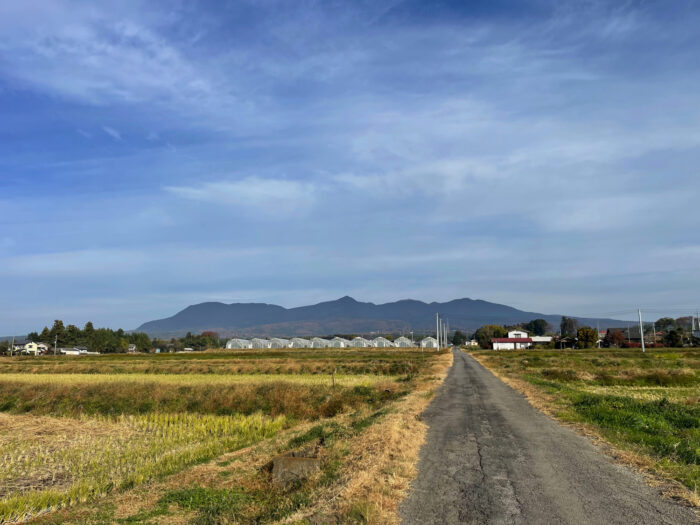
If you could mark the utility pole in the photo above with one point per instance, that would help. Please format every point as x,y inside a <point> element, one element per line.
<point>55,345</point>
<point>641,328</point>
<point>597,329</point>
<point>629,338</point>
<point>437,330</point>
<point>12,348</point>
<point>653,327</point>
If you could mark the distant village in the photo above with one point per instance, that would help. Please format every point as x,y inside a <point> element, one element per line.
<point>72,341</point>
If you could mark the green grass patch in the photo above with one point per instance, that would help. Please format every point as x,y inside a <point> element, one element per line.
<point>645,402</point>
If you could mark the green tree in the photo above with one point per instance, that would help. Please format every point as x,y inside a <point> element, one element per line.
<point>45,336</point>
<point>674,338</point>
<point>33,337</point>
<point>665,323</point>
<point>459,338</point>
<point>490,331</point>
<point>587,337</point>
<point>536,327</point>
<point>57,331</point>
<point>142,341</point>
<point>72,336</point>
<point>568,326</point>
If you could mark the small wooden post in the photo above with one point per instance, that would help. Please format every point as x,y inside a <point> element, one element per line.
<point>333,377</point>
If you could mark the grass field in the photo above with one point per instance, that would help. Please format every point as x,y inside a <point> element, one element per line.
<point>645,403</point>
<point>77,430</point>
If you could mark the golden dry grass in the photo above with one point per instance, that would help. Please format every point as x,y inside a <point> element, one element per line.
<point>382,460</point>
<point>377,467</point>
<point>195,379</point>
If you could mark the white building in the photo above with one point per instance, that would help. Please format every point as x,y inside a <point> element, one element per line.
<point>76,351</point>
<point>382,342</point>
<point>29,347</point>
<point>472,342</point>
<point>319,342</point>
<point>360,342</point>
<point>339,342</point>
<point>403,342</point>
<point>298,342</point>
<point>277,342</point>
<point>516,340</point>
<point>429,342</point>
<point>238,344</point>
<point>541,339</point>
<point>256,342</point>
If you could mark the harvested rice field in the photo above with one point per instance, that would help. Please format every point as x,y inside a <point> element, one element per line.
<point>187,437</point>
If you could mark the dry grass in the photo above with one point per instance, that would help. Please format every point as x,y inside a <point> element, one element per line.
<point>195,379</point>
<point>381,462</point>
<point>371,428</point>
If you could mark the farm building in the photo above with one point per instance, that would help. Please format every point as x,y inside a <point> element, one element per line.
<point>339,342</point>
<point>429,342</point>
<point>298,342</point>
<point>277,342</point>
<point>517,340</point>
<point>511,343</point>
<point>238,343</point>
<point>260,343</point>
<point>403,342</point>
<point>360,342</point>
<point>319,342</point>
<point>382,342</point>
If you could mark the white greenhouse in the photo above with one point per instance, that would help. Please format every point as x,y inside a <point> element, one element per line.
<point>339,342</point>
<point>360,342</point>
<point>318,342</point>
<point>238,343</point>
<point>382,342</point>
<point>429,342</point>
<point>404,342</point>
<point>277,342</point>
<point>256,342</point>
<point>298,342</point>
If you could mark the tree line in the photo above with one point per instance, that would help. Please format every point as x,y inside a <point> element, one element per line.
<point>108,341</point>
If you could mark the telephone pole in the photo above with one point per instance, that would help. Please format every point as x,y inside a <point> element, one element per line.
<point>437,330</point>
<point>55,345</point>
<point>641,329</point>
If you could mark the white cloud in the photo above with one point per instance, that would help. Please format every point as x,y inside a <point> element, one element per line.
<point>263,196</point>
<point>112,133</point>
<point>96,262</point>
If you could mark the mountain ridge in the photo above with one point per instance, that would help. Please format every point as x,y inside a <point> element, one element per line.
<point>343,315</point>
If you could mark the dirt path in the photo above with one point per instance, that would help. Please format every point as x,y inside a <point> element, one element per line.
<point>492,458</point>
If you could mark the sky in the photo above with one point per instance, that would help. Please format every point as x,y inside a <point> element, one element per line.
<point>541,154</point>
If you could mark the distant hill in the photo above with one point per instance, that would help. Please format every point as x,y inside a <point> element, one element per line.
<point>344,315</point>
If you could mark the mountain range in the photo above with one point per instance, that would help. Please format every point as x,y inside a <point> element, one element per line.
<point>343,316</point>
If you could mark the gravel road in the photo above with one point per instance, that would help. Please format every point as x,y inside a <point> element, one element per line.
<point>492,458</point>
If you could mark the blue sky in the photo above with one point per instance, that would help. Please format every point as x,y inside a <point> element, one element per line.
<point>157,154</point>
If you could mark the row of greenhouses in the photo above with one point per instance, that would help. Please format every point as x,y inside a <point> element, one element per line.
<point>336,342</point>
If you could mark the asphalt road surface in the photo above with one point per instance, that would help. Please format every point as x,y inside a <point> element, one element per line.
<point>492,458</point>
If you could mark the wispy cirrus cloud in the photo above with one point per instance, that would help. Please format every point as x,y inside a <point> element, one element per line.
<point>255,194</point>
<point>112,133</point>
